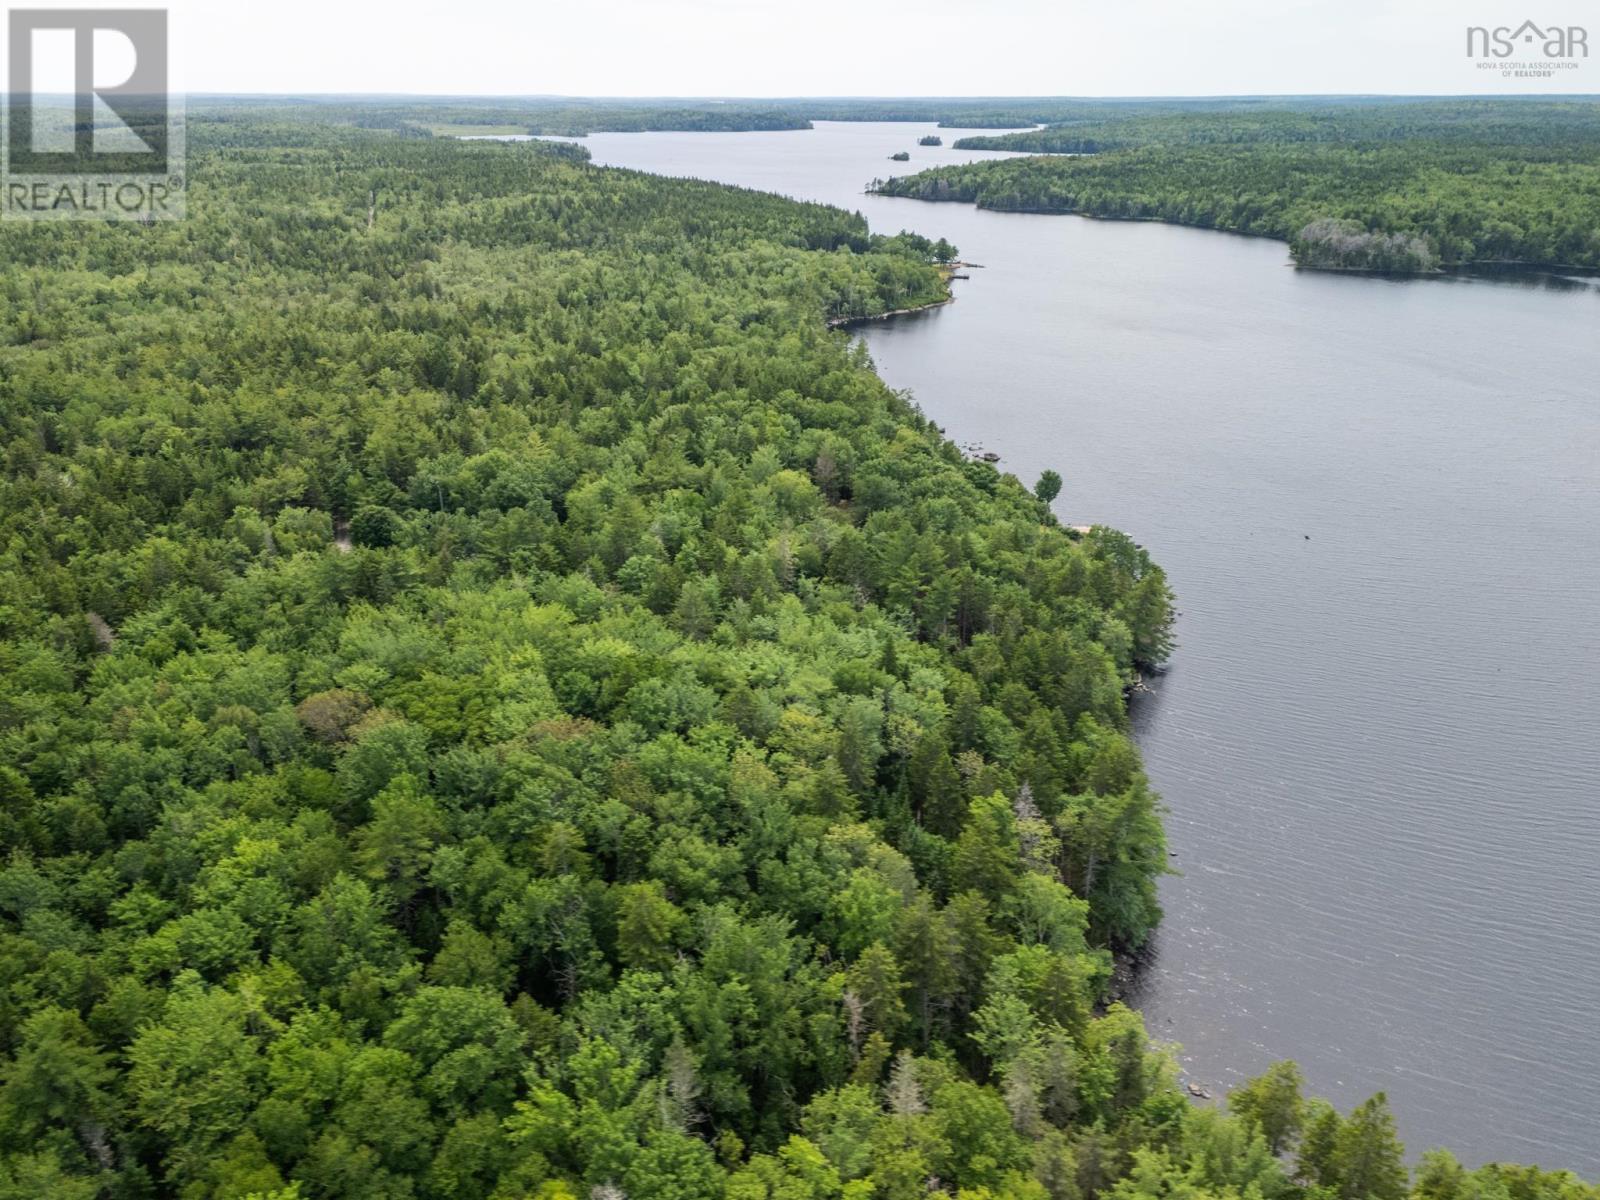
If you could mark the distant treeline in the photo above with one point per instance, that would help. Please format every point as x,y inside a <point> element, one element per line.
<point>1561,124</point>
<point>576,116</point>
<point>1435,183</point>
<point>559,118</point>
<point>1070,125</point>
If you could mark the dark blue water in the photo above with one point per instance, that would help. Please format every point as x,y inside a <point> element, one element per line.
<point>1379,503</point>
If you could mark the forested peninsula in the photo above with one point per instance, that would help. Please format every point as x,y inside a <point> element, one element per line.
<point>498,701</point>
<point>1408,186</point>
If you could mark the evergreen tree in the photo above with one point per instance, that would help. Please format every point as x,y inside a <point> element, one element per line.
<point>1368,1159</point>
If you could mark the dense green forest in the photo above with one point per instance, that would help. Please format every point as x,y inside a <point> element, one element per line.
<point>1392,186</point>
<point>498,700</point>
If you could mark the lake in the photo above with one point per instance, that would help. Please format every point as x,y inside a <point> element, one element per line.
<point>1379,504</point>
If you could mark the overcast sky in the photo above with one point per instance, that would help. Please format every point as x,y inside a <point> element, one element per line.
<point>855,47</point>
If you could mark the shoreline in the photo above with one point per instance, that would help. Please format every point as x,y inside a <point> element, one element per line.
<point>1481,268</point>
<point>947,271</point>
<point>869,318</point>
<point>1128,965</point>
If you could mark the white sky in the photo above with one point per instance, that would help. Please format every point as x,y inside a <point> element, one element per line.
<point>854,47</point>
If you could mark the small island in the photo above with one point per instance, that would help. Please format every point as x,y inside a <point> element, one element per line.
<point>901,156</point>
<point>932,139</point>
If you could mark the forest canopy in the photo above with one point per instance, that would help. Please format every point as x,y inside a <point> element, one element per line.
<point>498,700</point>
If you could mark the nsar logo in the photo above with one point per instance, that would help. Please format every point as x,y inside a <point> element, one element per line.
<point>1550,41</point>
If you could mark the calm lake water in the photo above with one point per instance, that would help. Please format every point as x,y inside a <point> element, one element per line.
<point>1379,503</point>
